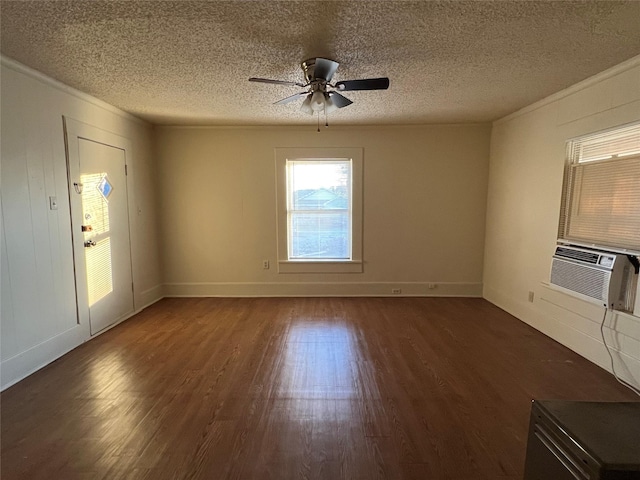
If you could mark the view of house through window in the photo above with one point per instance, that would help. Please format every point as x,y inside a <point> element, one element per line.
<point>319,214</point>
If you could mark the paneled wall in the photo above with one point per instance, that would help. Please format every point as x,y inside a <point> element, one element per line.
<point>424,209</point>
<point>38,305</point>
<point>525,184</point>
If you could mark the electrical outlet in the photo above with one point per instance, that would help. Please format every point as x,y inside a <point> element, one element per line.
<point>265,264</point>
<point>531,297</point>
<point>396,291</point>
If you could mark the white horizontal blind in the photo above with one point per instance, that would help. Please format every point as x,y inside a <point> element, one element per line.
<point>99,271</point>
<point>618,143</point>
<point>95,212</point>
<point>602,190</point>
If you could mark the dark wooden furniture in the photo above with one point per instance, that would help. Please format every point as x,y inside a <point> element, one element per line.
<point>583,441</point>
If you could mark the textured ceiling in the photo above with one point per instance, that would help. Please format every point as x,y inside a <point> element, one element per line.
<point>186,62</point>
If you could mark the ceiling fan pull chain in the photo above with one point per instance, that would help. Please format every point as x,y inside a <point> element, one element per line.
<point>326,120</point>
<point>318,122</point>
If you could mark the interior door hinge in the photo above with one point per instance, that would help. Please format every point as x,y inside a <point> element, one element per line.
<point>132,286</point>
<point>126,170</point>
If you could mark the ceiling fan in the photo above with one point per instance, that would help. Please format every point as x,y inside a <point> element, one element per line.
<point>320,94</point>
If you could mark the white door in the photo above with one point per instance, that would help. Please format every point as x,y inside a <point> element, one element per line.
<point>100,215</point>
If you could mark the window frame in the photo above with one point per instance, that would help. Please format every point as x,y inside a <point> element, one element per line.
<point>318,213</point>
<point>287,265</point>
<point>575,167</point>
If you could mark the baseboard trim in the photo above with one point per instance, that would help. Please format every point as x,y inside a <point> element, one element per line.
<point>33,359</point>
<point>149,297</point>
<point>561,330</point>
<point>20,366</point>
<point>323,289</point>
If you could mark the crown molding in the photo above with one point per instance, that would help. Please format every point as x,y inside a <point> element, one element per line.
<point>41,77</point>
<point>588,82</point>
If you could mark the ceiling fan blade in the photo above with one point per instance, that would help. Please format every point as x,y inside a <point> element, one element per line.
<point>325,68</point>
<point>366,84</point>
<point>276,82</point>
<point>339,100</point>
<point>291,98</point>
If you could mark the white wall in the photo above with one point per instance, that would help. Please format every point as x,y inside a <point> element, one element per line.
<point>424,209</point>
<point>38,306</point>
<point>523,204</point>
<point>424,213</point>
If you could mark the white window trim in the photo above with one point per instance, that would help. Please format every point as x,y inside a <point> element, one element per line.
<point>319,266</point>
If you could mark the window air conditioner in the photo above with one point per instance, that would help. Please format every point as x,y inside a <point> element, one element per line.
<point>600,277</point>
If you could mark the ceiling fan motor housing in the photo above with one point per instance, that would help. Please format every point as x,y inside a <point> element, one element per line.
<point>319,70</point>
<point>308,66</point>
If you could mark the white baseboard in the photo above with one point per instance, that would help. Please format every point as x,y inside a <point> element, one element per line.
<point>323,289</point>
<point>14,369</point>
<point>149,297</point>
<point>20,366</point>
<point>567,320</point>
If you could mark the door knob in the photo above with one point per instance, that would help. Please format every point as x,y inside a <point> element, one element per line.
<point>89,243</point>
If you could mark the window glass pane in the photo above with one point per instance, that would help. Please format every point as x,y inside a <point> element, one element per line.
<point>319,199</point>
<point>319,209</point>
<point>320,235</point>
<point>320,185</point>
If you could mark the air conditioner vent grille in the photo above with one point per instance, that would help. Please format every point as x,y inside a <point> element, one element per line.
<point>591,282</point>
<point>581,255</point>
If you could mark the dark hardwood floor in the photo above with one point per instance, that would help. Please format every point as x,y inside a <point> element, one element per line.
<point>296,388</point>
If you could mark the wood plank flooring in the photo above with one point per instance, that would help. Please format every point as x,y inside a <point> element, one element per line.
<point>295,388</point>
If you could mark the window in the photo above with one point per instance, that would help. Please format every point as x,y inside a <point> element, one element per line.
<point>601,198</point>
<point>319,210</point>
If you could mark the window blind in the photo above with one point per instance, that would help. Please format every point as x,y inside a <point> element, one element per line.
<point>601,201</point>
<point>621,142</point>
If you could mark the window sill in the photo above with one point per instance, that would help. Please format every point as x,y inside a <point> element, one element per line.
<point>319,266</point>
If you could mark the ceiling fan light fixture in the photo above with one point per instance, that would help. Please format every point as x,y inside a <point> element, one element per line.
<point>317,101</point>
<point>329,106</point>
<point>306,105</point>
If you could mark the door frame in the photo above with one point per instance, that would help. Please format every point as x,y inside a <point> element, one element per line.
<point>73,131</point>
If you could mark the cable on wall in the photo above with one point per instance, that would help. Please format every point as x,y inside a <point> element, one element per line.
<point>613,370</point>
